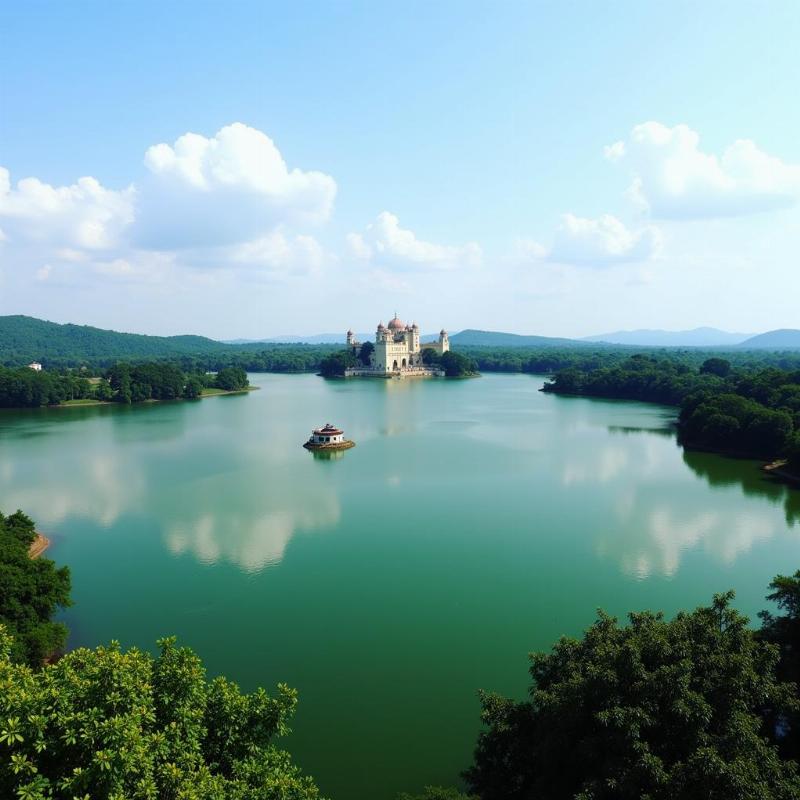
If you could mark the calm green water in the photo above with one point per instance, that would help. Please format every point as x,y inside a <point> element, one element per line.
<point>475,521</point>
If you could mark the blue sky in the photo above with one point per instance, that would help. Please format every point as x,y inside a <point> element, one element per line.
<point>446,159</point>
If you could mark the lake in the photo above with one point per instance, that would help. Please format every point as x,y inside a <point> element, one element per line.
<point>474,521</point>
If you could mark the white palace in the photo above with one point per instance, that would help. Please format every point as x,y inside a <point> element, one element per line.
<point>398,352</point>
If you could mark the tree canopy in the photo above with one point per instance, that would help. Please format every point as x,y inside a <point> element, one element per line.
<point>334,365</point>
<point>31,591</point>
<point>231,379</point>
<point>107,723</point>
<point>657,709</point>
<point>750,412</point>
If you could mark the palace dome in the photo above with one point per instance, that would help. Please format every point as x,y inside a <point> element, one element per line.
<point>396,324</point>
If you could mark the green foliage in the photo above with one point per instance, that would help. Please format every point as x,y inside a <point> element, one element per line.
<point>656,709</point>
<point>31,590</point>
<point>752,412</point>
<point>153,380</point>
<point>232,379</point>
<point>365,353</point>
<point>639,377</point>
<point>103,390</point>
<point>25,388</point>
<point>134,383</point>
<point>110,724</point>
<point>730,421</point>
<point>25,339</point>
<point>456,365</point>
<point>438,793</point>
<point>194,387</point>
<point>783,630</point>
<point>716,366</point>
<point>334,365</point>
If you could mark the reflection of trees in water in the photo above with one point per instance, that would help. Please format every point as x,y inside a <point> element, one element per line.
<point>627,430</point>
<point>723,471</point>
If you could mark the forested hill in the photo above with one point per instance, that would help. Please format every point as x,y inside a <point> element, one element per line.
<point>25,339</point>
<point>782,339</point>
<point>473,338</point>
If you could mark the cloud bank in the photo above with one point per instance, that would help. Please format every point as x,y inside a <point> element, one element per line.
<point>227,189</point>
<point>601,242</point>
<point>674,179</point>
<point>225,201</point>
<point>84,215</point>
<point>386,244</point>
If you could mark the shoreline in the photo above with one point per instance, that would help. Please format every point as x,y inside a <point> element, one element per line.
<point>38,545</point>
<point>778,469</point>
<point>96,403</point>
<point>774,469</point>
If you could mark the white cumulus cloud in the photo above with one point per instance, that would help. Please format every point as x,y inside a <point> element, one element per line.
<point>279,252</point>
<point>227,189</point>
<point>228,200</point>
<point>84,215</point>
<point>601,242</point>
<point>386,243</point>
<point>674,179</point>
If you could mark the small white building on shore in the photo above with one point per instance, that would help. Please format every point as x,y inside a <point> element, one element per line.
<point>35,366</point>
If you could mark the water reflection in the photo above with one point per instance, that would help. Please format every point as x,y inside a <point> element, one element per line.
<point>250,543</point>
<point>660,538</point>
<point>214,494</point>
<point>327,455</point>
<point>722,472</point>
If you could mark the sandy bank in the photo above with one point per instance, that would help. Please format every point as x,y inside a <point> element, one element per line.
<point>38,545</point>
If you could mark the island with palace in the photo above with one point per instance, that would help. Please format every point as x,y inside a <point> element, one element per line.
<point>398,353</point>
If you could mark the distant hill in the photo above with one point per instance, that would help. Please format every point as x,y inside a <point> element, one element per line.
<point>25,339</point>
<point>697,337</point>
<point>475,338</point>
<point>781,339</point>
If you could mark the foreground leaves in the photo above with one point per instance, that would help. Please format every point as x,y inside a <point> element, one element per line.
<point>110,724</point>
<point>662,710</point>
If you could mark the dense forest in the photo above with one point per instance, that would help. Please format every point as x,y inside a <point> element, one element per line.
<point>21,387</point>
<point>699,706</point>
<point>742,410</point>
<point>25,339</point>
<point>123,383</point>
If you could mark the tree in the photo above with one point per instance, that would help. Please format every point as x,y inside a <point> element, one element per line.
<point>31,591</point>
<point>334,365</point>
<point>664,710</point>
<point>111,724</point>
<point>119,377</point>
<point>456,365</point>
<point>716,366</point>
<point>193,387</point>
<point>793,452</point>
<point>783,630</point>
<point>365,353</point>
<point>232,379</point>
<point>103,390</point>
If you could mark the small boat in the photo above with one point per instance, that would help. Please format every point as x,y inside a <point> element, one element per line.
<point>328,438</point>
